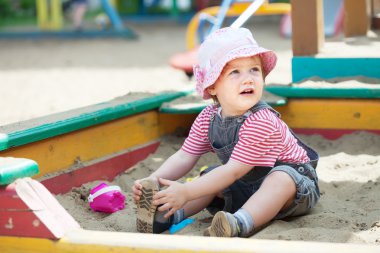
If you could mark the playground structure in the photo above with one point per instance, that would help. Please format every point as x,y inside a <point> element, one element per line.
<point>308,40</point>
<point>333,16</point>
<point>211,18</point>
<point>216,15</point>
<point>309,24</point>
<point>60,148</point>
<point>49,15</point>
<point>50,23</point>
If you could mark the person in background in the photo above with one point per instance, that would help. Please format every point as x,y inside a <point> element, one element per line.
<point>77,10</point>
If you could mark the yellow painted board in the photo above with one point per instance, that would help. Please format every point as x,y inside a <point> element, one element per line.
<point>64,151</point>
<point>98,241</point>
<point>91,143</point>
<point>352,114</point>
<point>265,9</point>
<point>179,123</point>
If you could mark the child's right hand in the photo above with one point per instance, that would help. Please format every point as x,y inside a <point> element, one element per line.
<point>136,189</point>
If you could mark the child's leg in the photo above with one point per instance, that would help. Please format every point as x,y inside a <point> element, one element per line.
<point>276,193</point>
<point>160,223</point>
<point>197,205</point>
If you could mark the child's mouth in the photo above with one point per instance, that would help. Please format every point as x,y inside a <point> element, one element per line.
<point>248,91</point>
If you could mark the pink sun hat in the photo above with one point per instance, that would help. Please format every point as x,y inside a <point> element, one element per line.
<point>225,45</point>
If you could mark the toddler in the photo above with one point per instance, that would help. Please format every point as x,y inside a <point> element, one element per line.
<point>266,171</point>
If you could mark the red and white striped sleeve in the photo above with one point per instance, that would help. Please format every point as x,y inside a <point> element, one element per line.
<point>197,142</point>
<point>260,140</point>
<point>264,139</point>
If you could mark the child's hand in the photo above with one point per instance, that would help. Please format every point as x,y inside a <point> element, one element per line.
<point>172,198</point>
<point>136,190</point>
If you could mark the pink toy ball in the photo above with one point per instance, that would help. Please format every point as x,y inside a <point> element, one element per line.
<point>105,198</point>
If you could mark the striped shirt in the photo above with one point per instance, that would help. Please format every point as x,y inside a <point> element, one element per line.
<point>263,139</point>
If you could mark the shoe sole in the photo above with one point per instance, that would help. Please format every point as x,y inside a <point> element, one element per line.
<point>220,227</point>
<point>145,207</point>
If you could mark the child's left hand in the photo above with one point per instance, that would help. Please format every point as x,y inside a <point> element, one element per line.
<point>172,198</point>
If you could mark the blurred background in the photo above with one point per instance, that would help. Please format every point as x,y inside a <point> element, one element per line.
<point>56,55</point>
<point>42,74</point>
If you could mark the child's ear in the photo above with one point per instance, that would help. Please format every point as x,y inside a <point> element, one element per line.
<point>211,91</point>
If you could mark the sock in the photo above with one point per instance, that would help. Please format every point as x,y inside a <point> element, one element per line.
<point>176,218</point>
<point>245,222</point>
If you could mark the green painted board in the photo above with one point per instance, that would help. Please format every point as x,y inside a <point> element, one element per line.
<point>192,103</point>
<point>30,131</point>
<point>3,141</point>
<point>13,168</point>
<point>307,67</point>
<point>320,92</point>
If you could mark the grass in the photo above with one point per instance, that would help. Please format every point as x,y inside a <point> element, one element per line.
<point>17,21</point>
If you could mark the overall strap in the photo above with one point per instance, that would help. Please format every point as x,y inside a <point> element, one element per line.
<point>263,105</point>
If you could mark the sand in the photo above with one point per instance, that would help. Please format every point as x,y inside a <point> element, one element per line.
<point>348,211</point>
<point>38,78</point>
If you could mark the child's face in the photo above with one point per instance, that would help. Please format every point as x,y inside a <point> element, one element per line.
<point>239,86</point>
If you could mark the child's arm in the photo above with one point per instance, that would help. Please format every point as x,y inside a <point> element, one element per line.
<point>176,166</point>
<point>176,195</point>
<point>173,168</point>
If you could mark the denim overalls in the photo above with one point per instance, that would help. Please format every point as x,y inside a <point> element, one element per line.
<point>223,135</point>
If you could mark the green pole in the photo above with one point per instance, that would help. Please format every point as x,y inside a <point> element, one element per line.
<point>174,10</point>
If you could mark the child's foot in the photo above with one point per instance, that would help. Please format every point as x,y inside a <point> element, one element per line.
<point>223,225</point>
<point>145,207</point>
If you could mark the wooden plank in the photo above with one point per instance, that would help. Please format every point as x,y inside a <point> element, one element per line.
<point>10,200</point>
<point>307,67</point>
<point>80,147</point>
<point>307,27</point>
<point>75,148</point>
<point>331,134</point>
<point>23,223</point>
<point>3,141</point>
<point>356,20</point>
<point>28,209</point>
<point>192,103</point>
<point>12,168</point>
<point>322,92</point>
<point>375,14</point>
<point>84,241</point>
<point>65,122</point>
<point>107,169</point>
<point>176,123</point>
<point>349,114</point>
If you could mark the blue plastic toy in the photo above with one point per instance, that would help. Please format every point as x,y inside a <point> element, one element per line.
<point>177,227</point>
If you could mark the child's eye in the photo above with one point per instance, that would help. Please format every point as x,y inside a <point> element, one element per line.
<point>234,72</point>
<point>255,69</point>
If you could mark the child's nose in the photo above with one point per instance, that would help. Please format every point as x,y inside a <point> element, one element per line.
<point>248,78</point>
